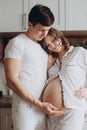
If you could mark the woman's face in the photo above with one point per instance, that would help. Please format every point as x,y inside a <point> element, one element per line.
<point>38,32</point>
<point>53,44</point>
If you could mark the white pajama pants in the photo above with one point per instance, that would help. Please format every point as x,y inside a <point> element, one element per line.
<point>71,120</point>
<point>26,117</point>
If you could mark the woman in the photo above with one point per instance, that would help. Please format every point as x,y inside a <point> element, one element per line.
<point>71,67</point>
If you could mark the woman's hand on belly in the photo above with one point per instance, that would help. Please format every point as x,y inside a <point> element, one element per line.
<point>80,93</point>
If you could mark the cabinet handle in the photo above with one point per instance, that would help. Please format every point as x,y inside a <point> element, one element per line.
<point>24,21</point>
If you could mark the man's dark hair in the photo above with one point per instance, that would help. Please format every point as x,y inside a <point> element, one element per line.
<point>41,14</point>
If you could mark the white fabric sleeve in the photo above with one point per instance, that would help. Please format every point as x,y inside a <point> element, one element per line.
<point>14,49</point>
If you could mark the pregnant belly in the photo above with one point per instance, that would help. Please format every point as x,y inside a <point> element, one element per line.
<point>53,93</point>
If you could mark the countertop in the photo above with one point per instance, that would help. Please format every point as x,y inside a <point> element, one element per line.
<point>5,102</point>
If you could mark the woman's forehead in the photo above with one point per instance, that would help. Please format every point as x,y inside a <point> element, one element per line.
<point>52,37</point>
<point>48,37</point>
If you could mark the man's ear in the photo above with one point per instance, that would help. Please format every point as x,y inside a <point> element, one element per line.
<point>30,24</point>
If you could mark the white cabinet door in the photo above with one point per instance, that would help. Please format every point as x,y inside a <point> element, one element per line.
<point>57,7</point>
<point>13,15</point>
<point>76,14</point>
<point>6,119</point>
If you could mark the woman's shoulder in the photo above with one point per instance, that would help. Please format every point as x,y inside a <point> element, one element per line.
<point>80,48</point>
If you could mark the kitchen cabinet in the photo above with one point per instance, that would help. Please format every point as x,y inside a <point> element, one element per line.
<point>76,14</point>
<point>13,15</point>
<point>69,14</point>
<point>6,119</point>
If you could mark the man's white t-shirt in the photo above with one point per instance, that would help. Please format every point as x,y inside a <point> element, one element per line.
<point>33,71</point>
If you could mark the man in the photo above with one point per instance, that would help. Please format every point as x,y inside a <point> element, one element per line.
<point>26,71</point>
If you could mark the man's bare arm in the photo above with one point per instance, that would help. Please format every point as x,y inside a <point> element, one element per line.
<point>12,71</point>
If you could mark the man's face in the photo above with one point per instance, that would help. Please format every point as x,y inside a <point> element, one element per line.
<point>38,32</point>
